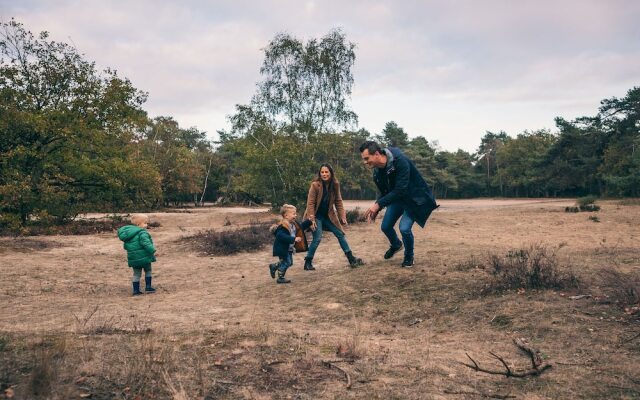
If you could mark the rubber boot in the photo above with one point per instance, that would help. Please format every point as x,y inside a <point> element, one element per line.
<point>281,278</point>
<point>354,262</point>
<point>308,266</point>
<point>148,288</point>
<point>272,270</point>
<point>136,289</point>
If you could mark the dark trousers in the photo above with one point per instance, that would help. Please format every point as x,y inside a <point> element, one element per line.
<point>285,263</point>
<point>391,216</point>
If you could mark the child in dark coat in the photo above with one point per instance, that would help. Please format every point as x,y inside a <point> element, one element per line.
<point>289,236</point>
<point>140,251</point>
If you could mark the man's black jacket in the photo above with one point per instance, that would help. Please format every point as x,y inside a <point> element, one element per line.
<point>400,182</point>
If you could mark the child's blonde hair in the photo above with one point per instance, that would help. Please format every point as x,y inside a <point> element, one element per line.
<point>138,219</point>
<point>285,208</point>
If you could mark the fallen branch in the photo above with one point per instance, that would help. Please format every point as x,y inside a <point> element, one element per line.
<point>225,382</point>
<point>490,396</point>
<point>580,296</point>
<point>633,338</point>
<point>267,366</point>
<point>538,365</point>
<point>346,374</point>
<point>327,363</point>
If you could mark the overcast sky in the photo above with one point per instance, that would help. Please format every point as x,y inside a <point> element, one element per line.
<point>445,70</point>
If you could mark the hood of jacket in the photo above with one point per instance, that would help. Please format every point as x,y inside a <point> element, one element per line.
<point>128,232</point>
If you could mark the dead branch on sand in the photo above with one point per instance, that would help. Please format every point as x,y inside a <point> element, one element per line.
<point>631,339</point>
<point>490,396</point>
<point>538,365</point>
<point>329,364</point>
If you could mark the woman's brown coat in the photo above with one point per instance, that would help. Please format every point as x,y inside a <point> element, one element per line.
<point>335,203</point>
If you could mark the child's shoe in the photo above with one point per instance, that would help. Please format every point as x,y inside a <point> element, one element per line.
<point>272,270</point>
<point>148,288</point>
<point>136,289</point>
<point>281,278</point>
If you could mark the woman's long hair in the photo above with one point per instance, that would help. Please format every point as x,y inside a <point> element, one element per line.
<point>332,181</point>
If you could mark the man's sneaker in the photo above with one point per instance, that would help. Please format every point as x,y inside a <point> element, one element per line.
<point>282,279</point>
<point>407,263</point>
<point>272,270</point>
<point>392,250</point>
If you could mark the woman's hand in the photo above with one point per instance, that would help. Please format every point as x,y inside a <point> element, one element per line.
<point>313,225</point>
<point>298,239</point>
<point>343,221</point>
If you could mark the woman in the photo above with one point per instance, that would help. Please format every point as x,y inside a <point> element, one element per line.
<point>323,201</point>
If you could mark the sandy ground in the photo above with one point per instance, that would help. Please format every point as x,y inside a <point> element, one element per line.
<point>409,328</point>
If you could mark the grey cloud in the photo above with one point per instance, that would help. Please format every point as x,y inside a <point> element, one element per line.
<point>197,59</point>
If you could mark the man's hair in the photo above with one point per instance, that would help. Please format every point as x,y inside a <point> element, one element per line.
<point>139,218</point>
<point>285,208</point>
<point>371,147</point>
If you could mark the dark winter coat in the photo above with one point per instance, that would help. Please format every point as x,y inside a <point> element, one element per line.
<point>283,238</point>
<point>138,244</point>
<point>401,182</point>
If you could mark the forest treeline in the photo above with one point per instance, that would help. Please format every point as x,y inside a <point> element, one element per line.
<point>74,139</point>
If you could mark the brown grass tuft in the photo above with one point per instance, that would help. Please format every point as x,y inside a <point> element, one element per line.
<point>355,216</point>
<point>535,267</point>
<point>622,289</point>
<point>48,356</point>
<point>249,238</point>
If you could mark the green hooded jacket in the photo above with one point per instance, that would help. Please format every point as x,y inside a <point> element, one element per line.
<point>138,244</point>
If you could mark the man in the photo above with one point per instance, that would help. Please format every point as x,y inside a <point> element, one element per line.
<point>403,192</point>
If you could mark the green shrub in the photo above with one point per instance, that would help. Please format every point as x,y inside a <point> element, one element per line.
<point>586,203</point>
<point>590,207</point>
<point>586,200</point>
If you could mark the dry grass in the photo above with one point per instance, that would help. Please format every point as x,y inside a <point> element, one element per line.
<point>81,226</point>
<point>534,267</point>
<point>219,327</point>
<point>355,216</point>
<point>248,238</point>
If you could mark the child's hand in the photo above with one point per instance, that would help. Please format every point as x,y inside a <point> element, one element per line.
<point>298,239</point>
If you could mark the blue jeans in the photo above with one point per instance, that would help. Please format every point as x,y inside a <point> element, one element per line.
<point>285,263</point>
<point>391,216</point>
<point>325,222</point>
<point>137,272</point>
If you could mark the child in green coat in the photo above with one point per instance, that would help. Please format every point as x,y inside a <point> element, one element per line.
<point>140,251</point>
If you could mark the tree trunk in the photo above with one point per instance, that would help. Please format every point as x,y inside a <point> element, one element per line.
<point>206,179</point>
